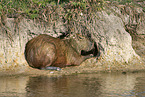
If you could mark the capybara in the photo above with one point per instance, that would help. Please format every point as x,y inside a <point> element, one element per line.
<point>47,52</point>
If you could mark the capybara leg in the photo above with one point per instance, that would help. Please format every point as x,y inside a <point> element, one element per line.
<point>51,68</point>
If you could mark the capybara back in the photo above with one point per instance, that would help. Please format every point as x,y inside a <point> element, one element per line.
<point>40,51</point>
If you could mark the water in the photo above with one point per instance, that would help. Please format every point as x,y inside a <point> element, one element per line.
<point>81,85</point>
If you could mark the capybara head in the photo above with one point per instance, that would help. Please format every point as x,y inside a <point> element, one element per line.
<point>45,52</point>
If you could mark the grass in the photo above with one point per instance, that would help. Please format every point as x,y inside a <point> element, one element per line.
<point>34,8</point>
<point>70,11</point>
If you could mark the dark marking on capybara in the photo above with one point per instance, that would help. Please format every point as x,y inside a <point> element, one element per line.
<point>46,52</point>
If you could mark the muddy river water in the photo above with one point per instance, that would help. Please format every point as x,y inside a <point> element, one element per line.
<point>80,85</point>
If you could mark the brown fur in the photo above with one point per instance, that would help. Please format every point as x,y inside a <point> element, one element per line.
<point>44,50</point>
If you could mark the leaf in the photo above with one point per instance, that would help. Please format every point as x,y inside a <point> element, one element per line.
<point>35,11</point>
<point>27,11</point>
<point>0,13</point>
<point>34,16</point>
<point>1,7</point>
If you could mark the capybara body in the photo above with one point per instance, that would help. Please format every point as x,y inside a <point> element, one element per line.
<point>44,51</point>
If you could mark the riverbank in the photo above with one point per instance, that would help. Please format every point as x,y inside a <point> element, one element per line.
<point>133,68</point>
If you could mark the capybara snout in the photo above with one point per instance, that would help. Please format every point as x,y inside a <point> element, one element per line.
<point>45,51</point>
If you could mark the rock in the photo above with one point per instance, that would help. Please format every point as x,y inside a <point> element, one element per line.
<point>133,18</point>
<point>115,42</point>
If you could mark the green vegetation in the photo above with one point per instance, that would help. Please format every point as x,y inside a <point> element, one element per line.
<point>37,8</point>
<point>42,8</point>
<point>140,3</point>
<point>34,8</point>
<point>48,11</point>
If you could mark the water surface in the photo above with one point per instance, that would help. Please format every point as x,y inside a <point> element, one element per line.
<point>81,85</point>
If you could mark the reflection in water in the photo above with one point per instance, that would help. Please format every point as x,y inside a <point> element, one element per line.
<point>42,86</point>
<point>69,86</point>
<point>82,85</point>
<point>13,86</point>
<point>140,86</point>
